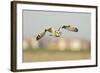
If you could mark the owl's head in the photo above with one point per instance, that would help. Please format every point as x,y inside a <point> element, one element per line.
<point>57,33</point>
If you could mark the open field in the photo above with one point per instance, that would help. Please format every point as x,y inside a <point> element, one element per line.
<point>54,55</point>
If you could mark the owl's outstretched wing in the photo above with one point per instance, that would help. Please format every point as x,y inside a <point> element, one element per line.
<point>50,30</point>
<point>70,28</point>
<point>40,35</point>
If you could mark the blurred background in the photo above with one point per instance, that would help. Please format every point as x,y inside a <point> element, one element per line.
<point>55,49</point>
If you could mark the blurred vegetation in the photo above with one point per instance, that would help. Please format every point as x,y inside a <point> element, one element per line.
<point>43,54</point>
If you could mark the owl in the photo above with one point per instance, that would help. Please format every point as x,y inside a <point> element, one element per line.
<point>57,32</point>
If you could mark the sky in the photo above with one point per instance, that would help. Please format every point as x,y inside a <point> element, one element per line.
<point>35,22</point>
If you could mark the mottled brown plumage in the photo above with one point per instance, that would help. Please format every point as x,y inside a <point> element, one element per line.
<point>57,33</point>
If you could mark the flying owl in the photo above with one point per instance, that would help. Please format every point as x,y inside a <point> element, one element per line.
<point>57,33</point>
